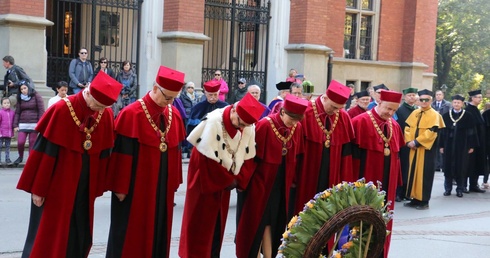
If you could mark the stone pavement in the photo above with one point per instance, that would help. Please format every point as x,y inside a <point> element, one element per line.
<point>452,227</point>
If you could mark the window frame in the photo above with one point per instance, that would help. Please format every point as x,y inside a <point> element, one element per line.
<point>358,12</point>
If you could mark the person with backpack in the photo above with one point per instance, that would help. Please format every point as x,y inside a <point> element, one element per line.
<point>13,79</point>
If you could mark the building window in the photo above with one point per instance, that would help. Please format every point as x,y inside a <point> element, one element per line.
<point>358,29</point>
<point>109,29</point>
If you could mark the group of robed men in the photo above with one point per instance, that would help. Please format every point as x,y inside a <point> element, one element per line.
<point>264,160</point>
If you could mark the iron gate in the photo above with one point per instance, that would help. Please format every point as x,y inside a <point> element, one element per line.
<point>239,32</point>
<point>106,28</point>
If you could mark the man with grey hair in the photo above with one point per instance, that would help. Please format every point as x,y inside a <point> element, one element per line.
<point>255,91</point>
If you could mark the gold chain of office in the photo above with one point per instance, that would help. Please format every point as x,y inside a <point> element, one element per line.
<point>163,145</point>
<point>228,147</point>
<point>280,137</point>
<point>452,119</point>
<point>320,123</point>
<point>386,140</point>
<point>87,144</point>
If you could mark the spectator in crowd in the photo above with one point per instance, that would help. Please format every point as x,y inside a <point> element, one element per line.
<point>458,141</point>
<point>189,97</point>
<point>264,211</point>
<point>255,91</point>
<point>422,137</point>
<point>223,89</point>
<point>403,112</point>
<point>476,165</point>
<point>221,160</point>
<point>104,67</point>
<point>293,76</point>
<point>62,89</point>
<point>378,139</point>
<point>240,91</point>
<point>145,170</point>
<point>67,170</point>
<point>80,71</point>
<point>308,89</point>
<point>327,135</point>
<point>30,108</point>
<point>127,77</point>
<point>442,106</point>
<point>13,79</point>
<point>6,128</point>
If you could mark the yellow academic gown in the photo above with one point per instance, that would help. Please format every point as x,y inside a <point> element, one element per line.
<point>422,126</point>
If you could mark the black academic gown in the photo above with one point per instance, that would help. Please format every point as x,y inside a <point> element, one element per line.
<point>477,166</point>
<point>456,139</point>
<point>403,113</point>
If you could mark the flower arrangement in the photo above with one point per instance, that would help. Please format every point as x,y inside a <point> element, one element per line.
<point>324,207</point>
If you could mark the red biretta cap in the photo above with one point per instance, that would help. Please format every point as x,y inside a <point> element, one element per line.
<point>391,96</point>
<point>105,89</point>
<point>249,109</point>
<point>295,105</point>
<point>170,79</point>
<point>212,86</point>
<point>338,92</point>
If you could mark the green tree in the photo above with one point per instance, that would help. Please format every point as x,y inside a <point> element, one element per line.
<point>462,58</point>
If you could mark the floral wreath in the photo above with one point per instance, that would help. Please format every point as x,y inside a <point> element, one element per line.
<point>355,207</point>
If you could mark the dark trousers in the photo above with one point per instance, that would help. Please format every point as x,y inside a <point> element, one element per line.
<point>448,183</point>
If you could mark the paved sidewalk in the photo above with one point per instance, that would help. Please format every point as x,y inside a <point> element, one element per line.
<point>452,227</point>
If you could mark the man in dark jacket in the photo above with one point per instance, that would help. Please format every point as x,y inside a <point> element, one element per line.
<point>442,106</point>
<point>80,71</point>
<point>240,91</point>
<point>13,79</point>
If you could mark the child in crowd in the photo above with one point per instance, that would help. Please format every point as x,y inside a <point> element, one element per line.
<point>6,128</point>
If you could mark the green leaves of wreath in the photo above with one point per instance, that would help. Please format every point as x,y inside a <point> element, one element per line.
<point>358,205</point>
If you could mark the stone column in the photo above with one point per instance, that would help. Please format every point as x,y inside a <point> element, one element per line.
<point>182,37</point>
<point>22,36</point>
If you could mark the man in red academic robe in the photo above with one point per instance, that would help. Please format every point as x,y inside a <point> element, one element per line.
<point>377,143</point>
<point>363,99</point>
<point>327,132</point>
<point>222,159</point>
<point>265,207</point>
<point>66,170</point>
<point>145,171</point>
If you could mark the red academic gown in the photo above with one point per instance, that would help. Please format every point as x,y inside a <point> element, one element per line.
<point>141,225</point>
<point>355,111</point>
<point>269,163</point>
<point>338,156</point>
<point>371,162</point>
<point>208,193</point>
<point>58,169</point>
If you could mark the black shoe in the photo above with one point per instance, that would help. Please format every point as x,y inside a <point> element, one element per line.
<point>466,191</point>
<point>8,161</point>
<point>18,161</point>
<point>476,189</point>
<point>459,194</point>
<point>410,204</point>
<point>447,193</point>
<point>398,199</point>
<point>422,207</point>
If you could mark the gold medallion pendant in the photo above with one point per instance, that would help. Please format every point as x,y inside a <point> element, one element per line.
<point>284,151</point>
<point>233,166</point>
<point>87,144</point>
<point>387,151</point>
<point>163,147</point>
<point>327,144</point>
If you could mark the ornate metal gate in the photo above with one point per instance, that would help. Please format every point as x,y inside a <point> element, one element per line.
<point>239,32</point>
<point>106,28</point>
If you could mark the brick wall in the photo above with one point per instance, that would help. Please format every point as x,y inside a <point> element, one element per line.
<point>308,21</point>
<point>23,7</point>
<point>407,31</point>
<point>178,16</point>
